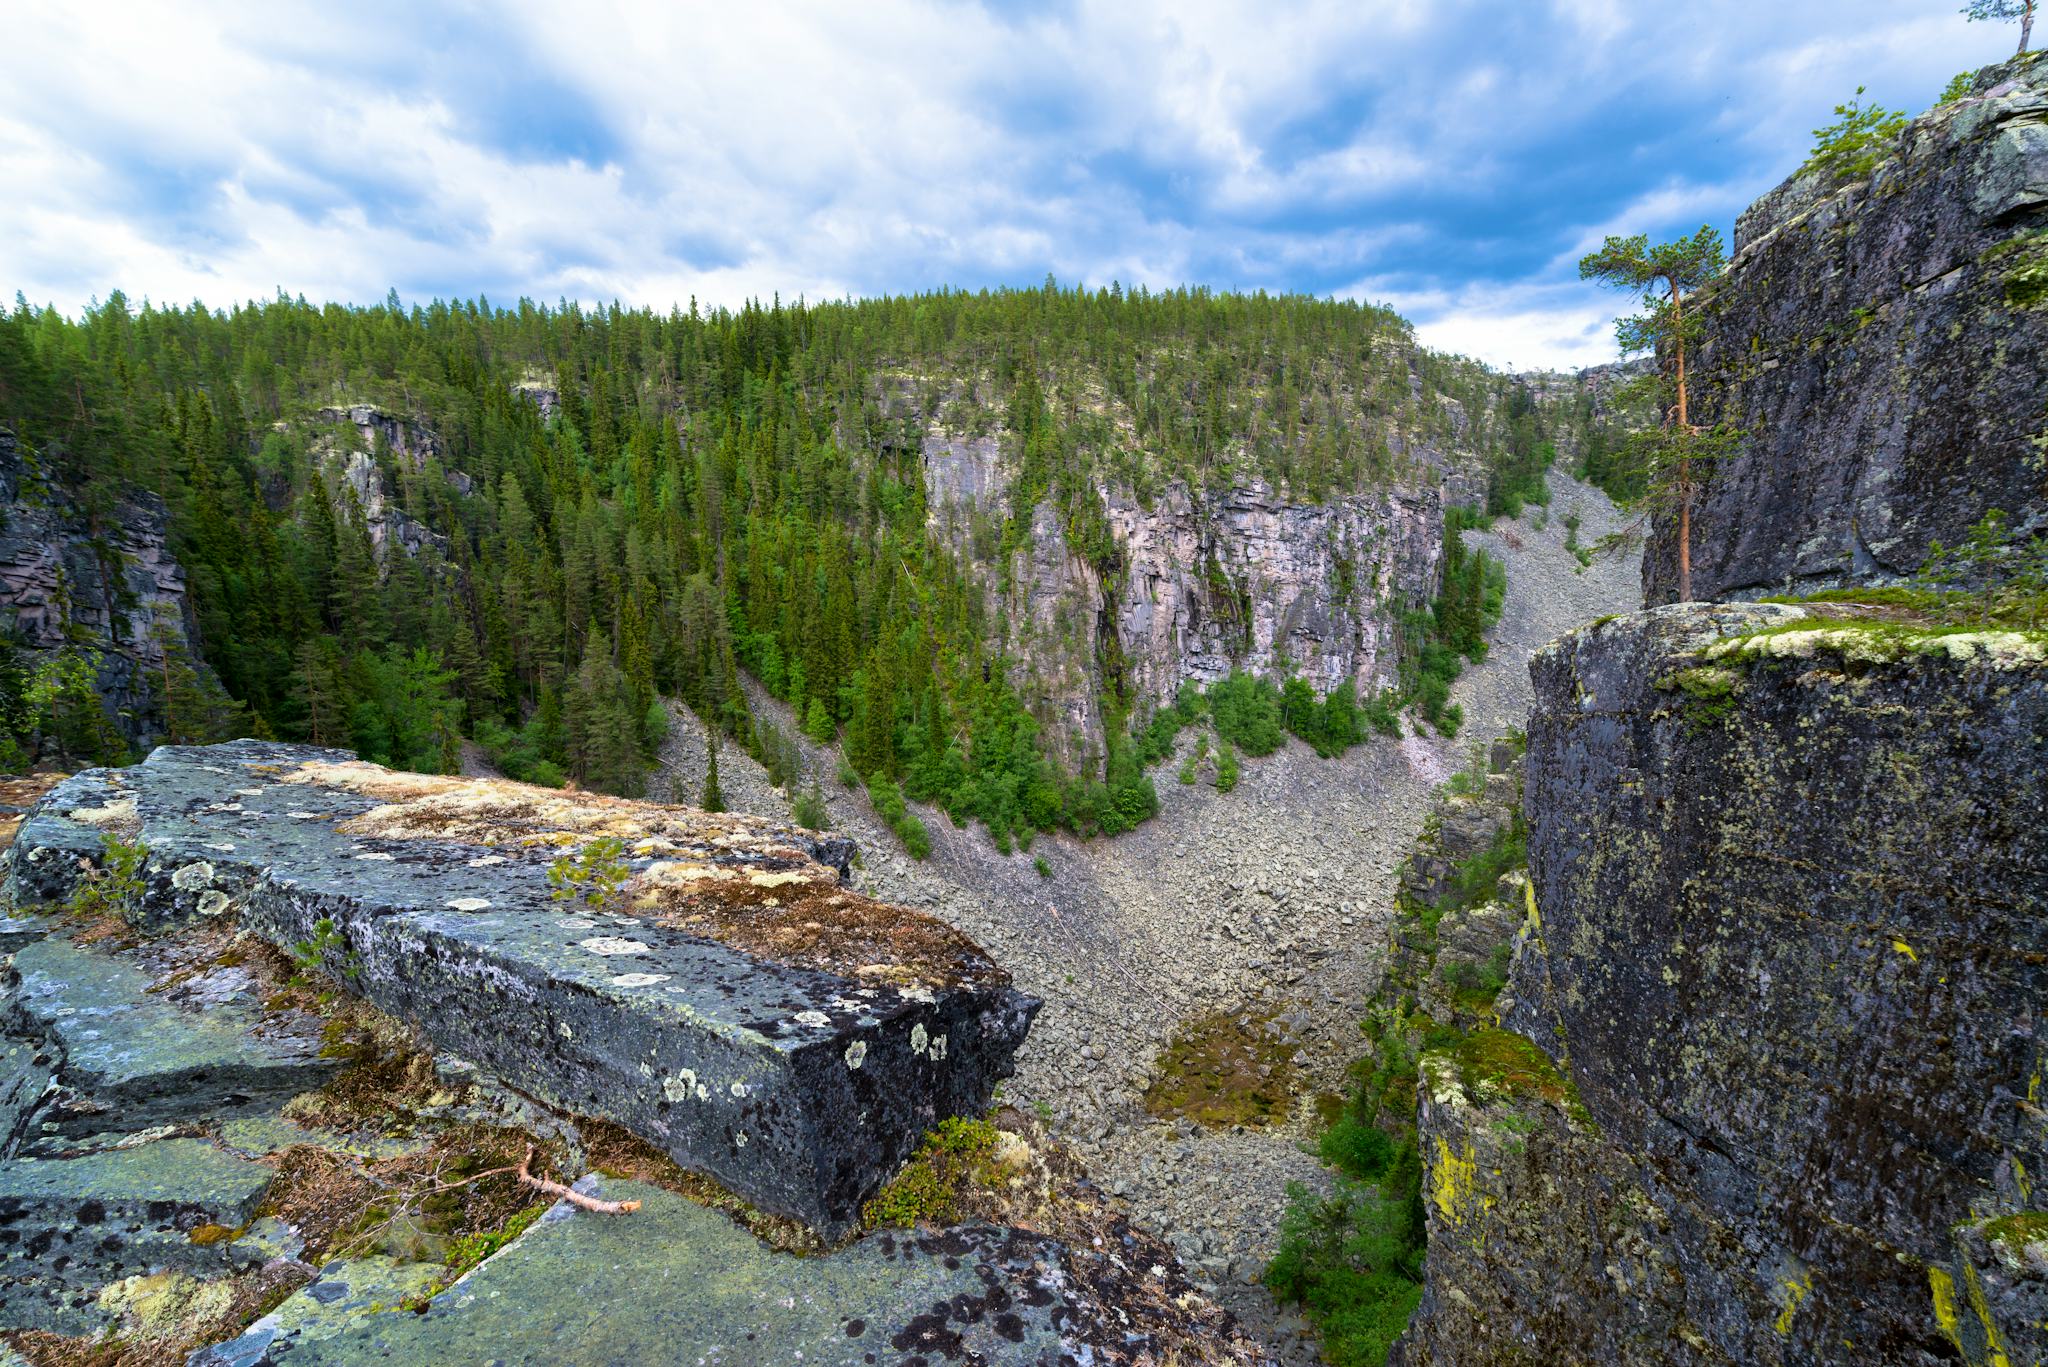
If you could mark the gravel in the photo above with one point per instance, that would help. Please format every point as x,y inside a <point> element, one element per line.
<point>1276,895</point>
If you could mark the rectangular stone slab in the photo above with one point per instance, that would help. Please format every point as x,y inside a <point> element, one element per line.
<point>732,1004</point>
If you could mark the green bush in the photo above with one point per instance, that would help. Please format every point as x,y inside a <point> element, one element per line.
<point>1858,139</point>
<point>1226,769</point>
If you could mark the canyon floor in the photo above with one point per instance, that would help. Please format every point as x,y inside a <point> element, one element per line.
<point>1267,905</point>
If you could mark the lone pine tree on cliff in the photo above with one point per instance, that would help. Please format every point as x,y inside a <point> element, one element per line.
<point>2003,11</point>
<point>1667,274</point>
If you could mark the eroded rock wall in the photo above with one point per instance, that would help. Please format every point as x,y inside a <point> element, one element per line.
<point>1197,585</point>
<point>1883,345</point>
<point>1787,956</point>
<point>99,584</point>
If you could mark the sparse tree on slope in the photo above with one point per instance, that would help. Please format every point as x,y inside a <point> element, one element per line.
<point>1666,274</point>
<point>2003,11</point>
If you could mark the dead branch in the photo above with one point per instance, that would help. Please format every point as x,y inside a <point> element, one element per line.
<point>570,1194</point>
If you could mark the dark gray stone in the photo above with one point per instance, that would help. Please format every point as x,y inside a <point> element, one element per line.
<point>1884,347</point>
<point>132,1051</point>
<point>1790,958</point>
<point>69,1227</point>
<point>675,1282</point>
<point>799,1087</point>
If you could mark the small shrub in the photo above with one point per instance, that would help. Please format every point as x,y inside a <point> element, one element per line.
<point>592,875</point>
<point>808,810</point>
<point>113,887</point>
<point>1853,145</point>
<point>1226,769</point>
<point>1044,869</point>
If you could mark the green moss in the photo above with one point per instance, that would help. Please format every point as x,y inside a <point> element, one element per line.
<point>1711,692</point>
<point>471,1249</point>
<point>954,1158</point>
<point>1226,1069</point>
<point>1512,1065</point>
<point>2017,1232</point>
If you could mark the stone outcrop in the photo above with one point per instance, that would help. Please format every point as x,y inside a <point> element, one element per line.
<point>1882,343</point>
<point>389,526</point>
<point>107,585</point>
<point>209,1154</point>
<point>413,442</point>
<point>719,993</point>
<point>1193,586</point>
<point>1774,1095</point>
<point>680,1283</point>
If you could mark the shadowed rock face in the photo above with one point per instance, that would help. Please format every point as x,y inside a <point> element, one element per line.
<point>66,580</point>
<point>1884,343</point>
<point>1788,959</point>
<point>731,1003</point>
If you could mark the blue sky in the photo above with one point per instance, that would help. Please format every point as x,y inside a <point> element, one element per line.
<point>1452,159</point>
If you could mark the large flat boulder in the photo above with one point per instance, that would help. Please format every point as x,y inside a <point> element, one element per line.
<point>727,998</point>
<point>680,1283</point>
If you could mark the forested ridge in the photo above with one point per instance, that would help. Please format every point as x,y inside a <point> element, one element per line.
<point>648,504</point>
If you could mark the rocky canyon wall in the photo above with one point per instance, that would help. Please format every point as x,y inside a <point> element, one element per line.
<point>1882,345</point>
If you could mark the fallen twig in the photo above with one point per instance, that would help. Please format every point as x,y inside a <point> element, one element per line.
<point>570,1194</point>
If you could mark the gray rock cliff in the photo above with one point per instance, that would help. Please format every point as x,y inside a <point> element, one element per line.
<point>1883,344</point>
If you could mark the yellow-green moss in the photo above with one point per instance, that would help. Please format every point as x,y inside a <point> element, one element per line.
<point>959,1154</point>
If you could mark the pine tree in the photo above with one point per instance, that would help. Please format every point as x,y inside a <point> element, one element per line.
<point>714,798</point>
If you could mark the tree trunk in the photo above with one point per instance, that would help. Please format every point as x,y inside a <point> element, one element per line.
<point>1684,461</point>
<point>2026,26</point>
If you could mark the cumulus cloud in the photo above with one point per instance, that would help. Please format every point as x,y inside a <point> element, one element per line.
<point>1452,158</point>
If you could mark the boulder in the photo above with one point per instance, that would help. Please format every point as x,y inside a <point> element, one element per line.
<point>710,983</point>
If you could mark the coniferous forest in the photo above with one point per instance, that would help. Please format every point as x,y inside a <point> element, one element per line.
<point>622,506</point>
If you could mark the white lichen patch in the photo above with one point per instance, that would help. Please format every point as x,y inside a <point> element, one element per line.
<point>304,816</point>
<point>776,880</point>
<point>739,1138</point>
<point>376,857</point>
<point>684,1086</point>
<point>223,807</point>
<point>485,861</point>
<point>938,1048</point>
<point>918,994</point>
<point>119,812</point>
<point>1440,1079</point>
<point>739,1089</point>
<point>639,979</point>
<point>918,1038</point>
<point>212,902</point>
<point>223,846</point>
<point>856,1053</point>
<point>467,903</point>
<point>2000,650</point>
<point>813,1018</point>
<point>611,944</point>
<point>248,792</point>
<point>576,923</point>
<point>193,876</point>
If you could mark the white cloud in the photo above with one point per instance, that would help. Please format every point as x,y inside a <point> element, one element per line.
<point>223,150</point>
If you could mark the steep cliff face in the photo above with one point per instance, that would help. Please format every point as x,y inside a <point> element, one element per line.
<point>347,459</point>
<point>1882,343</point>
<point>108,586</point>
<point>1194,585</point>
<point>1784,964</point>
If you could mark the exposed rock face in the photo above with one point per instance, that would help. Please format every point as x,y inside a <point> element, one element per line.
<point>1883,342</point>
<point>679,1283</point>
<point>1194,586</point>
<point>65,580</point>
<point>388,524</point>
<point>1787,966</point>
<point>731,1003</point>
<point>414,442</point>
